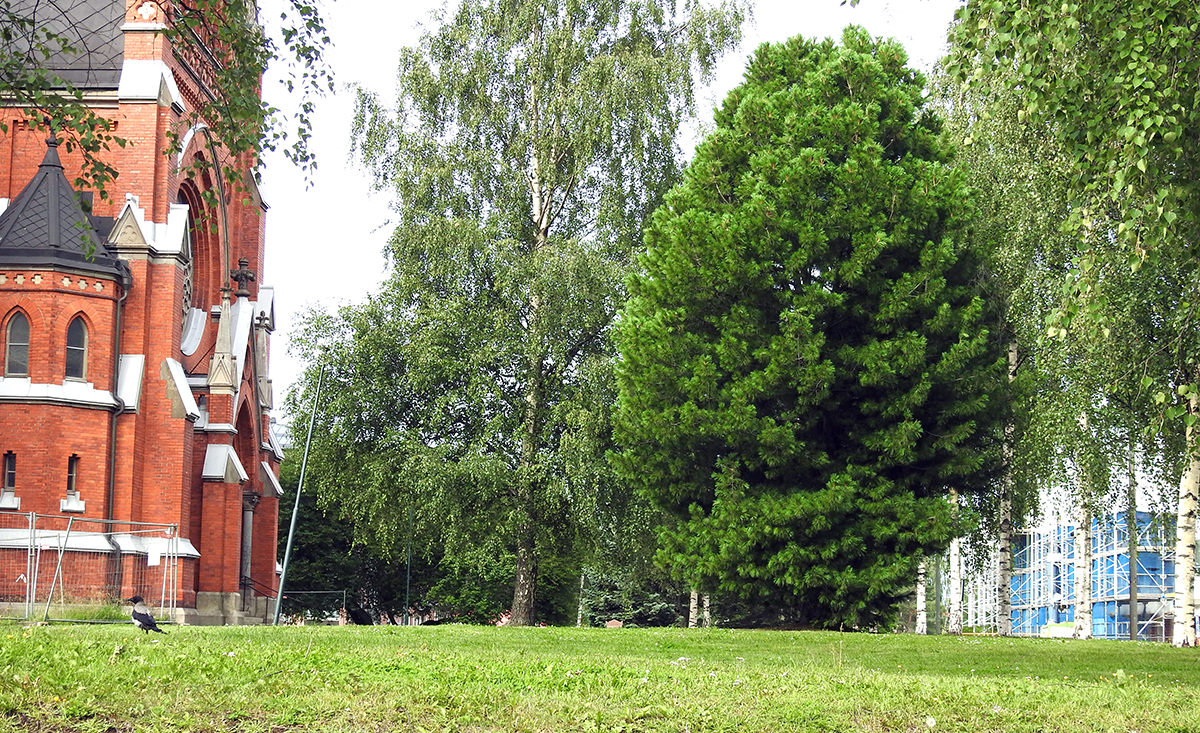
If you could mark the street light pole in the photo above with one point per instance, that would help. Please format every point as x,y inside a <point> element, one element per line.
<point>287,553</point>
<point>408,570</point>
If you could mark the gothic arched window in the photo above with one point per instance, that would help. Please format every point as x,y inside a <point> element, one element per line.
<point>16,346</point>
<point>77,342</point>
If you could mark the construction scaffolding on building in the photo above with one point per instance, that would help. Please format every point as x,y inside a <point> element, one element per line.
<point>1155,576</point>
<point>1043,579</point>
<point>66,568</point>
<point>981,602</point>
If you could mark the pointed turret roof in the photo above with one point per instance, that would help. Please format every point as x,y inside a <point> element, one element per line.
<point>45,225</point>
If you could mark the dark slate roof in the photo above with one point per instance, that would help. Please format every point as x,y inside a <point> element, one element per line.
<point>45,226</point>
<point>92,30</point>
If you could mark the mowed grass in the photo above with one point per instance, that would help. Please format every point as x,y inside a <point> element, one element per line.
<point>467,678</point>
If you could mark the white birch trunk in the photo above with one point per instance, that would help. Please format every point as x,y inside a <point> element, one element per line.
<point>954,622</point>
<point>922,625</point>
<point>693,609</point>
<point>1185,540</point>
<point>579,613</point>
<point>1004,574</point>
<point>1083,571</point>
<point>1132,521</point>
<point>707,613</point>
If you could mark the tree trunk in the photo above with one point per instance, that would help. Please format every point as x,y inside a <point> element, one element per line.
<point>579,613</point>
<point>1185,538</point>
<point>1083,569</point>
<point>1131,521</point>
<point>954,624</point>
<point>525,586</point>
<point>922,624</point>
<point>694,609</point>
<point>707,612</point>
<point>1004,576</point>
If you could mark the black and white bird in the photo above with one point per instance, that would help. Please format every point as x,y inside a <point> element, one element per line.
<point>141,616</point>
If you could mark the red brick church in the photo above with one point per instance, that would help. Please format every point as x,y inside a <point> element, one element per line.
<point>135,381</point>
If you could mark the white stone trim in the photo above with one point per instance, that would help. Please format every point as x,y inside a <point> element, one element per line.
<point>221,463</point>
<point>243,312</point>
<point>190,408</point>
<point>79,541</point>
<point>129,380</point>
<point>72,503</point>
<point>187,139</point>
<point>268,477</point>
<point>168,238</point>
<point>149,80</point>
<point>273,442</point>
<point>71,392</point>
<point>266,304</point>
<point>193,331</point>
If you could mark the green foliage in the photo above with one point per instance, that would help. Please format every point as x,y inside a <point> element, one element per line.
<point>225,45</point>
<point>805,369</point>
<point>1117,82</point>
<point>528,143</point>
<point>633,599</point>
<point>451,678</point>
<point>26,41</point>
<point>1102,92</point>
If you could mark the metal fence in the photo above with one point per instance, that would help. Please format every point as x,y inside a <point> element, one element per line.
<point>65,568</point>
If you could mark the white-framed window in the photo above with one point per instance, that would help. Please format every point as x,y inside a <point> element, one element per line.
<point>77,347</point>
<point>8,482</point>
<point>72,503</point>
<point>16,346</point>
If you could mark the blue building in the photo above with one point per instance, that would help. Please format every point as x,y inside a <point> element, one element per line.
<point>1043,577</point>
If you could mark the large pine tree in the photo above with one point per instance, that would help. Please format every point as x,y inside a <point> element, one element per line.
<point>806,370</point>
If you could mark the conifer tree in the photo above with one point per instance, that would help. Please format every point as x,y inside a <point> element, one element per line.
<point>805,369</point>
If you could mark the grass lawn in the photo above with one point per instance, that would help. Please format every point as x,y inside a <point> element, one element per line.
<point>111,679</point>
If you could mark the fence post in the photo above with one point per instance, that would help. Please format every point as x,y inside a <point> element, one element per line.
<point>31,568</point>
<point>63,539</point>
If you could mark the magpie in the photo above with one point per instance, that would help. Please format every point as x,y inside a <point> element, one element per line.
<point>141,616</point>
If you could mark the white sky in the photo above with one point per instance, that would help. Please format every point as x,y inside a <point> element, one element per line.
<point>325,244</point>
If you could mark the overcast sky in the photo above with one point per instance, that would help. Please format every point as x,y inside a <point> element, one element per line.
<point>325,244</point>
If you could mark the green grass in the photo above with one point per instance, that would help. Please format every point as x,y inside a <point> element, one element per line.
<point>455,678</point>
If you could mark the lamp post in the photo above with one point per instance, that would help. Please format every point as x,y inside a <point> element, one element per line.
<point>408,569</point>
<point>287,553</point>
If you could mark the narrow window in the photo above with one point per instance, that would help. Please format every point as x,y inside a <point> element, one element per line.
<point>72,503</point>
<point>72,472</point>
<point>16,347</point>
<point>76,349</point>
<point>8,482</point>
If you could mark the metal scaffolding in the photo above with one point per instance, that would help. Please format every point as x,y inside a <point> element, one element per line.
<point>1110,576</point>
<point>1043,579</point>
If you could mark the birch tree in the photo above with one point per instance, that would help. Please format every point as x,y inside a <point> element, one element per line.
<point>954,623</point>
<point>1116,82</point>
<point>529,141</point>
